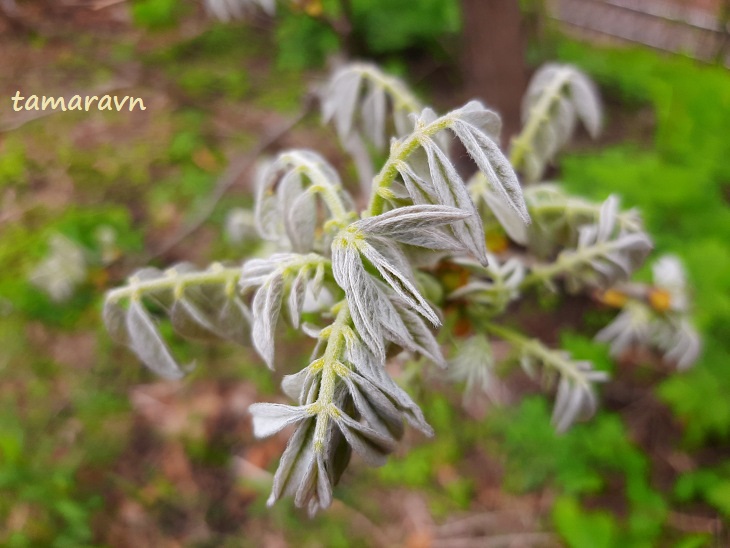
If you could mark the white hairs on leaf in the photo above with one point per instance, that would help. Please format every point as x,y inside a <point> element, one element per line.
<point>200,305</point>
<point>557,96</point>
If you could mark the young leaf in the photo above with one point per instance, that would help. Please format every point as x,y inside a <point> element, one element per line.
<point>269,418</point>
<point>147,343</point>
<point>265,308</point>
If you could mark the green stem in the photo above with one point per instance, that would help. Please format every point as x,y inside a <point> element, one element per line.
<point>402,97</point>
<point>535,348</point>
<point>217,274</point>
<point>571,209</point>
<point>564,263</point>
<point>400,153</point>
<point>538,115</point>
<point>330,363</point>
<point>321,185</point>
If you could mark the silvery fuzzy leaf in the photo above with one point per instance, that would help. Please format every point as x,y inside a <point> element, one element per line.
<point>285,203</point>
<point>586,102</point>
<point>265,308</point>
<point>418,185</point>
<point>533,167</point>
<point>364,295</point>
<point>668,274</point>
<point>451,191</point>
<point>296,296</point>
<point>360,155</point>
<point>373,114</point>
<point>403,121</point>
<point>576,398</point>
<point>338,455</point>
<point>147,343</point>
<point>311,388</point>
<point>394,255</point>
<point>422,339</point>
<point>507,217</point>
<point>210,310</point>
<point>630,327</point>
<point>361,293</point>
<point>163,297</point>
<point>474,365</point>
<point>341,99</point>
<point>295,462</point>
<point>190,322</point>
<point>494,285</point>
<point>311,330</point>
<point>405,404</point>
<point>483,119</point>
<point>371,445</point>
<point>606,252</point>
<point>529,364</point>
<point>546,143</point>
<point>538,83</point>
<point>374,406</point>
<point>495,166</point>
<point>270,418</point>
<point>145,274</point>
<point>299,212</point>
<point>373,368</point>
<point>556,96</point>
<point>258,269</point>
<point>267,218</point>
<point>429,246</point>
<point>293,385</point>
<point>400,192</point>
<point>565,120</point>
<point>359,354</point>
<point>410,224</point>
<point>679,341</point>
<point>255,272</point>
<point>425,117</point>
<point>315,491</point>
<point>399,281</point>
<point>234,321</point>
<point>115,321</point>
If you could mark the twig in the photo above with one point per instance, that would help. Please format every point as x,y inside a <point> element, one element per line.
<point>688,523</point>
<point>466,524</point>
<point>233,173</point>
<point>497,541</point>
<point>102,4</point>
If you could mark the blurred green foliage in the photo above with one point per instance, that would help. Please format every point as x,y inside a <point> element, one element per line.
<point>386,29</point>
<point>584,462</point>
<point>26,246</point>
<point>157,14</point>
<point>379,28</point>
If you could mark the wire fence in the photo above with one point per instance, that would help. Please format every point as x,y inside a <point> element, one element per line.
<point>699,28</point>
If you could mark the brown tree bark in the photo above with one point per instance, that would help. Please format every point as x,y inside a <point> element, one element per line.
<point>494,66</point>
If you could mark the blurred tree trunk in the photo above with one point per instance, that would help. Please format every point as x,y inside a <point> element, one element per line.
<point>494,66</point>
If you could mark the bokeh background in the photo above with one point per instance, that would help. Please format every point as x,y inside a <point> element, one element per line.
<point>96,451</point>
